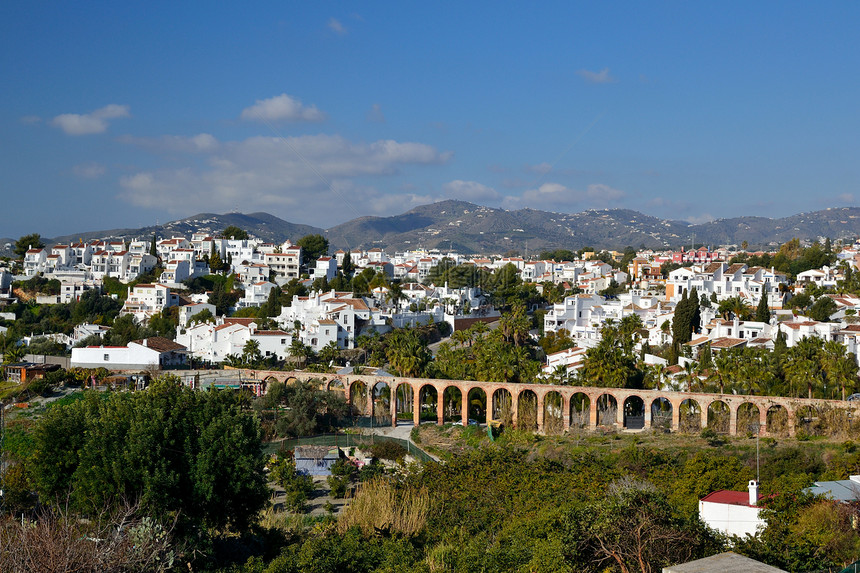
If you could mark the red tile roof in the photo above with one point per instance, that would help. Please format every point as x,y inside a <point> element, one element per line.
<point>728,497</point>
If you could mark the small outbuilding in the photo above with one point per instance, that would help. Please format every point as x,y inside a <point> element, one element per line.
<point>316,460</point>
<point>733,512</point>
<point>722,563</point>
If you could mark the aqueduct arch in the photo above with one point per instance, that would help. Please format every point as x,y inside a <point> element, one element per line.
<point>577,407</point>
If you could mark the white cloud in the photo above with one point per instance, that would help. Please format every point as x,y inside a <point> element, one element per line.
<point>557,197</point>
<point>375,114</point>
<point>282,107</point>
<point>30,119</point>
<point>604,193</point>
<point>540,168</point>
<point>89,123</point>
<point>200,143</point>
<point>601,77</point>
<point>281,174</point>
<point>90,170</point>
<point>469,191</point>
<point>846,197</point>
<point>336,26</point>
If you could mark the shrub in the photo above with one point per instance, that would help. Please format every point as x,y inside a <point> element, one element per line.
<point>386,450</point>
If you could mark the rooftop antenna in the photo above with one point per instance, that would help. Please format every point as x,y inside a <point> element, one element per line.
<point>757,474</point>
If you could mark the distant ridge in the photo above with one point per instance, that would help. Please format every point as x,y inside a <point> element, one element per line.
<point>469,228</point>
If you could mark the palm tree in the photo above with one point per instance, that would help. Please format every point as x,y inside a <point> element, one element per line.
<point>801,372</point>
<point>479,329</point>
<point>653,376</point>
<point>300,350</point>
<point>461,337</point>
<point>329,353</point>
<point>840,367</point>
<point>395,295</point>
<point>251,354</point>
<point>691,375</point>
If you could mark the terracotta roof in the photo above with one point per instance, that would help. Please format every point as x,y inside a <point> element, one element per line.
<point>727,342</point>
<point>242,321</point>
<point>356,303</point>
<point>270,333</point>
<point>728,497</point>
<point>160,344</point>
<point>326,321</point>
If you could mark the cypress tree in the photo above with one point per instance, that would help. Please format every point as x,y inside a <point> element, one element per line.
<point>762,312</point>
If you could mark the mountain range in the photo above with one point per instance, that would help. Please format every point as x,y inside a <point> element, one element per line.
<point>468,228</point>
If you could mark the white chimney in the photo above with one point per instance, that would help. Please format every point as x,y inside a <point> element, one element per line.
<point>753,487</point>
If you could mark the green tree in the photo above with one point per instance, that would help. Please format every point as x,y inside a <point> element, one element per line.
<point>184,454</point>
<point>301,351</point>
<point>32,241</point>
<point>297,487</point>
<point>273,304</point>
<point>821,310</point>
<point>215,262</point>
<point>234,232</point>
<point>762,312</point>
<point>407,352</point>
<point>839,365</point>
<point>329,353</point>
<point>313,247</point>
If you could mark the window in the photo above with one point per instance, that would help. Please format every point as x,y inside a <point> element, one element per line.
<point>107,357</point>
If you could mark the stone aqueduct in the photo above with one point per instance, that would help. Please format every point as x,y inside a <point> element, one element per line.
<point>585,407</point>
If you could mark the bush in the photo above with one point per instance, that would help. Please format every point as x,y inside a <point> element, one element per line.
<point>712,437</point>
<point>388,451</point>
<point>339,485</point>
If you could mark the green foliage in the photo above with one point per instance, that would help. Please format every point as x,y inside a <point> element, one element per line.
<point>687,318</point>
<point>313,247</point>
<point>297,487</point>
<point>407,352</point>
<point>204,315</point>
<point>388,450</point>
<point>300,408</point>
<point>762,312</point>
<point>234,232</point>
<point>31,241</point>
<point>195,456</point>
<point>821,310</point>
<point>558,255</point>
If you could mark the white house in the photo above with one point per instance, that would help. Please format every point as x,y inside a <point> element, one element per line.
<point>256,294</point>
<point>286,264</point>
<point>154,352</point>
<point>733,512</point>
<point>326,267</point>
<point>146,300</point>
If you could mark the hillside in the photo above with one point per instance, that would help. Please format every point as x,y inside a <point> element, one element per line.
<point>469,228</point>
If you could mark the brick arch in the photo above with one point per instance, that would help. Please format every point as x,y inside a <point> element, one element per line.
<point>467,387</point>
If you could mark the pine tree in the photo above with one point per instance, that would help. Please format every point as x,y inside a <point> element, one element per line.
<point>153,247</point>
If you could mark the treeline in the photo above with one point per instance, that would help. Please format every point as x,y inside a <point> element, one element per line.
<point>553,508</point>
<point>179,474</point>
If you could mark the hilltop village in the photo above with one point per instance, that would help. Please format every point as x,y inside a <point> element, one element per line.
<point>288,296</point>
<point>713,344</point>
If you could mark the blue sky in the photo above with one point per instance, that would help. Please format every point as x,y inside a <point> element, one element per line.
<point>122,114</point>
